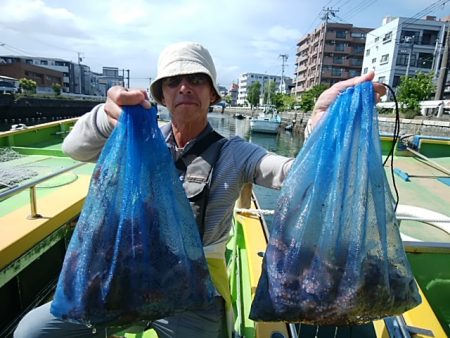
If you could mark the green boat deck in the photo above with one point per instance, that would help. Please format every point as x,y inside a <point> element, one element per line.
<point>427,187</point>
<point>34,263</point>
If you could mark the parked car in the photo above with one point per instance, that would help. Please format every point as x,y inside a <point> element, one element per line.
<point>7,88</point>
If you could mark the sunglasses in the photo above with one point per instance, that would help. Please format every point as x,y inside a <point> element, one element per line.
<point>196,79</point>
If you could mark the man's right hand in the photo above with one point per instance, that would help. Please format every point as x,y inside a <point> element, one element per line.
<point>118,96</point>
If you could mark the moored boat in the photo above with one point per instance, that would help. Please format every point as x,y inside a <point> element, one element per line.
<point>267,122</point>
<point>40,205</point>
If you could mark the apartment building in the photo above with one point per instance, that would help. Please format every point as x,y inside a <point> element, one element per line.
<point>233,92</point>
<point>331,53</point>
<point>35,68</point>
<point>247,79</point>
<point>403,47</point>
<point>74,78</point>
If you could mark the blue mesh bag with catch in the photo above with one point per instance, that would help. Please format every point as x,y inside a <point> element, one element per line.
<point>335,255</point>
<point>136,253</point>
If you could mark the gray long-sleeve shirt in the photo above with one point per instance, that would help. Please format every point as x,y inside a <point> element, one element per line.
<point>239,162</point>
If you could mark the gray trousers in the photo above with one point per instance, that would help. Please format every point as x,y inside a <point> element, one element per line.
<point>207,323</point>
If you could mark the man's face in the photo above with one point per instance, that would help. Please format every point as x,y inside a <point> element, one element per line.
<point>188,97</point>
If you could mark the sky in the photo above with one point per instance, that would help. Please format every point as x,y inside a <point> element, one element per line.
<point>241,35</point>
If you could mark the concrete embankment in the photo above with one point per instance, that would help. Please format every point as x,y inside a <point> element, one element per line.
<point>420,125</point>
<point>32,110</point>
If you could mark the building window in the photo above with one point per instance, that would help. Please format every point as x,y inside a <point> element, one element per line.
<point>387,37</point>
<point>425,60</point>
<point>382,79</point>
<point>374,60</point>
<point>357,35</point>
<point>365,70</point>
<point>377,39</point>
<point>336,71</point>
<point>353,72</point>
<point>396,81</point>
<point>384,59</point>
<point>339,47</point>
<point>429,37</point>
<point>358,49</point>
<point>44,62</point>
<point>356,62</point>
<point>338,59</point>
<point>406,36</point>
<point>341,34</point>
<point>402,59</point>
<point>367,52</point>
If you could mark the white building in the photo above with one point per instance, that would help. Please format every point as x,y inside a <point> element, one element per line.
<point>404,46</point>
<point>247,79</point>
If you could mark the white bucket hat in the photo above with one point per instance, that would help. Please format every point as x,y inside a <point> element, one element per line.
<point>183,58</point>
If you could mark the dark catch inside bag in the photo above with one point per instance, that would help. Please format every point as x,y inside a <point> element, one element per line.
<point>136,253</point>
<point>335,255</point>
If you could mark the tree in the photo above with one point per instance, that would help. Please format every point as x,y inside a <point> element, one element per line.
<point>289,102</point>
<point>29,86</point>
<point>269,92</point>
<point>228,99</point>
<point>56,89</point>
<point>254,92</point>
<point>412,90</point>
<point>308,98</point>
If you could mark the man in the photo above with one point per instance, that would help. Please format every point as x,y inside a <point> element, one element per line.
<point>186,85</point>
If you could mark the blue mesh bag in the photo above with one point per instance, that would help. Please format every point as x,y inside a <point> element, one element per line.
<point>136,252</point>
<point>335,255</point>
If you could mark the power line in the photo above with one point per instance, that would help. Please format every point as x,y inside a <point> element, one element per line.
<point>359,8</point>
<point>411,20</point>
<point>14,49</point>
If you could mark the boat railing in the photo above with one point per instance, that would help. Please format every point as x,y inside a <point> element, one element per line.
<point>32,186</point>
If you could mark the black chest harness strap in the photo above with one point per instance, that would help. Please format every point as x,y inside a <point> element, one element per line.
<point>196,167</point>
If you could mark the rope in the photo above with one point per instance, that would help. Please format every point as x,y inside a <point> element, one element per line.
<point>424,220</point>
<point>259,212</point>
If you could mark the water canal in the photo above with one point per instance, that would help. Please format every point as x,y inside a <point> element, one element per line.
<point>284,143</point>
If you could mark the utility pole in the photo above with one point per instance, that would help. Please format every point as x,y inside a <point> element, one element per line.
<point>410,40</point>
<point>328,13</point>
<point>284,58</point>
<point>128,78</point>
<point>443,70</point>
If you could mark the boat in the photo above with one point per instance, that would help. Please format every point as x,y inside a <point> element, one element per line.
<point>424,215</point>
<point>239,116</point>
<point>289,127</point>
<point>267,122</point>
<point>42,192</point>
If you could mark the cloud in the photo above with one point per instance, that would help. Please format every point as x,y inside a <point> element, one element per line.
<point>34,16</point>
<point>280,33</point>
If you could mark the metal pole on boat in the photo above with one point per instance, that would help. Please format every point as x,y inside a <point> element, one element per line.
<point>33,203</point>
<point>431,162</point>
<point>245,197</point>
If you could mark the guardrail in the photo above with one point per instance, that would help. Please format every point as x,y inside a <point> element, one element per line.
<point>32,186</point>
